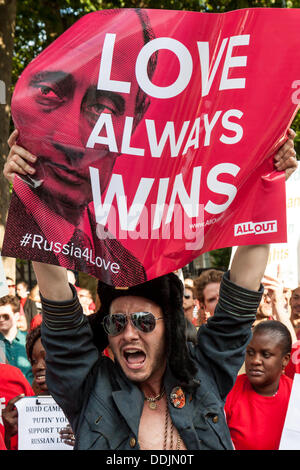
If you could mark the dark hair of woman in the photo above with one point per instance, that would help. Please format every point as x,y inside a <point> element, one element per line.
<point>32,336</point>
<point>279,331</point>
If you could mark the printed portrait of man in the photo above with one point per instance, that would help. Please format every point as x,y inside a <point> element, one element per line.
<point>55,108</point>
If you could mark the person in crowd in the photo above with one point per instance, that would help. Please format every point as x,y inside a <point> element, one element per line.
<point>157,393</point>
<point>295,310</point>
<point>35,296</point>
<point>293,366</point>
<point>11,286</point>
<point>277,306</point>
<point>27,304</point>
<point>207,287</point>
<point>22,322</point>
<point>188,281</point>
<point>12,340</point>
<point>189,304</point>
<point>36,321</point>
<point>86,300</point>
<point>153,364</point>
<point>36,355</point>
<point>274,306</point>
<point>13,385</point>
<point>257,404</point>
<point>264,311</point>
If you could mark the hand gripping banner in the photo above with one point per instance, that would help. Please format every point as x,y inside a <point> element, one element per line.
<point>155,133</point>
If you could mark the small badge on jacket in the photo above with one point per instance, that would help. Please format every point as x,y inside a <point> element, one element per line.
<point>177,397</point>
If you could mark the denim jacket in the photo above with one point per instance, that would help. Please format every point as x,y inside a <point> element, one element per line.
<point>104,407</point>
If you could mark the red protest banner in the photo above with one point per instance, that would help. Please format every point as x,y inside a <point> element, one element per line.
<point>155,133</point>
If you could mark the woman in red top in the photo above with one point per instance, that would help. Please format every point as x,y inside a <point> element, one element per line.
<point>37,357</point>
<point>13,385</point>
<point>256,406</point>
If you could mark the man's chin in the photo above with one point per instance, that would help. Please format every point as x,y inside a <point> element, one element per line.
<point>138,374</point>
<point>143,373</point>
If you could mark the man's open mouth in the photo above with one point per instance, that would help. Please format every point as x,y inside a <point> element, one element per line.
<point>134,358</point>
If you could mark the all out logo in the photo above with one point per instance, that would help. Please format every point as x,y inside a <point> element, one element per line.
<point>257,228</point>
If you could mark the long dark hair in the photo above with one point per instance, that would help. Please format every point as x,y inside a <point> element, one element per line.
<point>167,292</point>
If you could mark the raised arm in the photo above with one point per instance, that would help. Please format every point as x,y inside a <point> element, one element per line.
<point>249,263</point>
<point>248,266</point>
<point>68,340</point>
<point>222,341</point>
<point>53,282</point>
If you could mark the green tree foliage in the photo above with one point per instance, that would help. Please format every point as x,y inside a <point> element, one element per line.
<point>220,258</point>
<point>7,28</point>
<point>39,22</point>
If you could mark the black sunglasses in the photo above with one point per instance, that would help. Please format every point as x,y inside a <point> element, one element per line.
<point>4,316</point>
<point>142,321</point>
<point>187,296</point>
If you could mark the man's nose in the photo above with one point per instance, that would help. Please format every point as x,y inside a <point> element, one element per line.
<point>130,332</point>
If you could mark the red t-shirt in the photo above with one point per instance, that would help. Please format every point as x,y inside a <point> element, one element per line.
<point>2,445</point>
<point>12,384</point>
<point>293,366</point>
<point>256,422</point>
<point>36,321</point>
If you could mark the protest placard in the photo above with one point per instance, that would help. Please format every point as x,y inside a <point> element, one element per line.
<point>290,438</point>
<point>155,133</point>
<point>284,259</point>
<point>40,419</point>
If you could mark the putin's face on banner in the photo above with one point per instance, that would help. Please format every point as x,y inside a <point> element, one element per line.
<point>57,104</point>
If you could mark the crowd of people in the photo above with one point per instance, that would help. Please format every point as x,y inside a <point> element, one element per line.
<point>256,405</point>
<point>22,355</point>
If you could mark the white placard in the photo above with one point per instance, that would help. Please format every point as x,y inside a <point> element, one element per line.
<point>284,259</point>
<point>39,422</point>
<point>3,282</point>
<point>290,438</point>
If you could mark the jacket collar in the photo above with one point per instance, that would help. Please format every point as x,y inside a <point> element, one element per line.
<point>130,400</point>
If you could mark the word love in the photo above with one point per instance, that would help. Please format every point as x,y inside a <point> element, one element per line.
<point>208,72</point>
